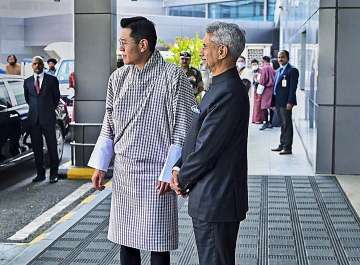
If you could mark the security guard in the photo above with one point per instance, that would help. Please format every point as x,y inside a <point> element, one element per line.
<point>193,74</point>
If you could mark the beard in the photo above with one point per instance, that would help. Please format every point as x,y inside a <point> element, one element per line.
<point>52,68</point>
<point>12,63</point>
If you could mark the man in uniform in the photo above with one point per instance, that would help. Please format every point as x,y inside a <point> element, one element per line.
<point>192,73</point>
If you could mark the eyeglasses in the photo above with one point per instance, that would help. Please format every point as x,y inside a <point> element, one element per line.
<point>123,43</point>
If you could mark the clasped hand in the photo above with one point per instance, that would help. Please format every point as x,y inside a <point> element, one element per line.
<point>174,184</point>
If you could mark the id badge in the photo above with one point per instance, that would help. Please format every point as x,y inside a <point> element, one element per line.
<point>283,83</point>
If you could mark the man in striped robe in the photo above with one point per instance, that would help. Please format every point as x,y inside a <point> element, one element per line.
<point>148,111</point>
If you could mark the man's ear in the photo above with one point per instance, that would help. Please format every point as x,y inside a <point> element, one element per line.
<point>143,45</point>
<point>223,51</point>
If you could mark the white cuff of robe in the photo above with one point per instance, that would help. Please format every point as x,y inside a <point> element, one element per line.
<point>102,154</point>
<point>173,156</point>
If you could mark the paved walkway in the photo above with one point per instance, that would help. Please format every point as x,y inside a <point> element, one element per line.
<point>262,161</point>
<point>294,218</point>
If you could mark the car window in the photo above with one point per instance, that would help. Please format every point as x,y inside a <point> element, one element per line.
<point>17,89</point>
<point>4,96</point>
<point>63,73</point>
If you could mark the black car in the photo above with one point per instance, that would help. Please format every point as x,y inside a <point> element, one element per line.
<point>15,142</point>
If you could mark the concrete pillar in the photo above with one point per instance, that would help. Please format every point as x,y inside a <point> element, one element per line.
<point>95,59</point>
<point>338,145</point>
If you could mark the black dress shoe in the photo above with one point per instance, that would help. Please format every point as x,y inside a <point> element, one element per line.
<point>53,179</point>
<point>269,125</point>
<point>263,127</point>
<point>285,152</point>
<point>38,178</point>
<point>277,149</point>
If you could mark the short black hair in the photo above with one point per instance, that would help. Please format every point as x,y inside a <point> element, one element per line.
<point>286,53</point>
<point>11,55</point>
<point>141,28</point>
<point>266,59</point>
<point>242,57</point>
<point>254,61</point>
<point>52,60</point>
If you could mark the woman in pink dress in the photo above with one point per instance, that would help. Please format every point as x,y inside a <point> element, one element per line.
<point>257,116</point>
<point>267,75</point>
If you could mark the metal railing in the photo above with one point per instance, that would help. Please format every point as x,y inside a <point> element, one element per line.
<point>82,144</point>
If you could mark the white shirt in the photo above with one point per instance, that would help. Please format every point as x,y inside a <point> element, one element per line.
<point>104,150</point>
<point>41,78</point>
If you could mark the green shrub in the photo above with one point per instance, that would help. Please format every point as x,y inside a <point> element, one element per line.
<point>192,45</point>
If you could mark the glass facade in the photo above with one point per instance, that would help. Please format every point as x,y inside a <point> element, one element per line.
<point>240,9</point>
<point>188,11</point>
<point>271,10</point>
<point>300,36</point>
<point>243,9</point>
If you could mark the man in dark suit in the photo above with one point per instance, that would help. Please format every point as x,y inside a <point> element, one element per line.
<point>42,94</point>
<point>213,165</point>
<point>286,81</point>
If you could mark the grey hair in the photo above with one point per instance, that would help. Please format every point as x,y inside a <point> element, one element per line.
<point>39,58</point>
<point>230,35</point>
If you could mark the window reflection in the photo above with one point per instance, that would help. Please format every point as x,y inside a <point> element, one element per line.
<point>243,9</point>
<point>188,11</point>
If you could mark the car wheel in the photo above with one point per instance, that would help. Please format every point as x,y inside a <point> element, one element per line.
<point>60,140</point>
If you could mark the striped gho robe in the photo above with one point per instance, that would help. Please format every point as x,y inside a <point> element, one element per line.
<point>148,112</point>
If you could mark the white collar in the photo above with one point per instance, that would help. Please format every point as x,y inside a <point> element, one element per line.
<point>40,75</point>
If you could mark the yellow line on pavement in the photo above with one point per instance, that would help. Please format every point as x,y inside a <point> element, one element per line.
<point>39,238</point>
<point>66,217</point>
<point>80,173</point>
<point>108,184</point>
<point>88,199</point>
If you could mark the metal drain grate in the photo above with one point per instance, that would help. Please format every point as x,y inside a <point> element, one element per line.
<point>291,221</point>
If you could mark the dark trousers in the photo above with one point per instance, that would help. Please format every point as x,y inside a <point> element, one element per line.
<point>131,256</point>
<point>286,136</point>
<point>36,133</point>
<point>268,113</point>
<point>216,242</point>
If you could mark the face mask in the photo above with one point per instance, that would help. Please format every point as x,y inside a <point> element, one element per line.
<point>240,65</point>
<point>254,67</point>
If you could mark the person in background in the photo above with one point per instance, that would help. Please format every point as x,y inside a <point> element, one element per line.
<point>286,82</point>
<point>72,82</point>
<point>42,94</point>
<point>244,72</point>
<point>51,63</point>
<point>267,75</point>
<point>257,115</point>
<point>206,76</point>
<point>12,67</point>
<point>192,74</point>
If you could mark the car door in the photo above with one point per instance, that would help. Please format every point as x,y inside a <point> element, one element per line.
<point>19,111</point>
<point>16,92</point>
<point>5,120</point>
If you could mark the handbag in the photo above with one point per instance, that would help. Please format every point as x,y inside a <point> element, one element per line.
<point>260,89</point>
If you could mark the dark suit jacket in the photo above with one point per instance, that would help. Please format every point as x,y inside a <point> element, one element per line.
<point>42,107</point>
<point>214,157</point>
<point>284,95</point>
